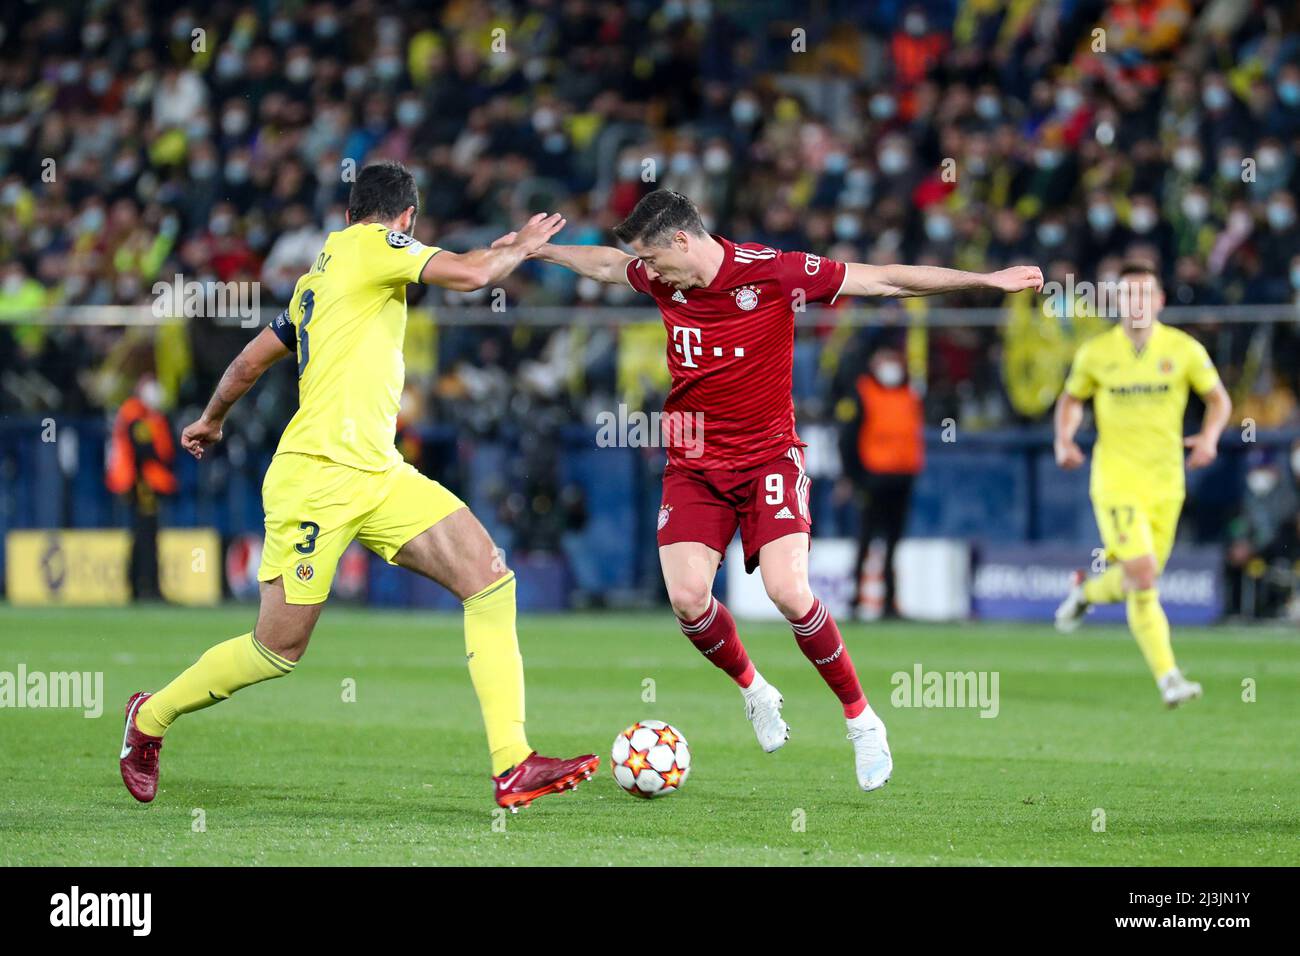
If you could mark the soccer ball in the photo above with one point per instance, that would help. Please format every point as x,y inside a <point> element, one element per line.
<point>651,759</point>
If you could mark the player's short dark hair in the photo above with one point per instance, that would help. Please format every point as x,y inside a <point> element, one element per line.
<point>1140,267</point>
<point>382,191</point>
<point>658,216</point>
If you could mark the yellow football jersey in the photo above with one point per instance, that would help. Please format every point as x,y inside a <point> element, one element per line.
<point>1138,399</point>
<point>346,321</point>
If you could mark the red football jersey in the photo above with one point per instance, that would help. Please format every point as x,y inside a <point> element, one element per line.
<point>731,353</point>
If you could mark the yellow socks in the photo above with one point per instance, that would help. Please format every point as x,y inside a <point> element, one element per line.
<point>1107,587</point>
<point>497,671</point>
<point>1150,627</point>
<point>216,675</point>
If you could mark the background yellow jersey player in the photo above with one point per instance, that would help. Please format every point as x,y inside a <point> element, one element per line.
<point>1138,376</point>
<point>337,476</point>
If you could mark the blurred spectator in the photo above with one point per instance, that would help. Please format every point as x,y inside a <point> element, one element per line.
<point>140,461</point>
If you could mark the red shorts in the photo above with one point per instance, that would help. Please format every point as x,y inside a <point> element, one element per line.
<point>766,503</point>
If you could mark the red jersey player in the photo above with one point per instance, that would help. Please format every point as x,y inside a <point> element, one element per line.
<point>728,309</point>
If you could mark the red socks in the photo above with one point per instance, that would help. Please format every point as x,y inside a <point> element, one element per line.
<point>819,639</point>
<point>714,635</point>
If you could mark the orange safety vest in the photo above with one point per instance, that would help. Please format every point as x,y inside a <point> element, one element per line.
<point>890,439</point>
<point>137,424</point>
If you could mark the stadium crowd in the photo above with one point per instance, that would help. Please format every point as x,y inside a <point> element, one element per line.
<point>140,140</point>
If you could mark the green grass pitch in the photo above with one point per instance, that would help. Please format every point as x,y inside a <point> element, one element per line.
<point>290,773</point>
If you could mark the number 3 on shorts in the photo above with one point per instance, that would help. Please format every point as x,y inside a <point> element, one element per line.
<point>309,542</point>
<point>775,484</point>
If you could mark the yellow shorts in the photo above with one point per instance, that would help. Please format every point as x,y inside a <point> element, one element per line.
<point>316,507</point>
<point>1132,527</point>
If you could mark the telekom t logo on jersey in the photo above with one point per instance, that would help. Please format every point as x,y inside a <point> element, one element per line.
<point>687,344</point>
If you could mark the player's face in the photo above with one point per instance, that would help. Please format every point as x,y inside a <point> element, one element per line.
<point>1142,298</point>
<point>673,263</point>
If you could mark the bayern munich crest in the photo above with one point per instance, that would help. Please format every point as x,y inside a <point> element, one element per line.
<point>746,298</point>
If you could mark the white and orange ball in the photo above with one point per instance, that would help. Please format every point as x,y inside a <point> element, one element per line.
<point>651,759</point>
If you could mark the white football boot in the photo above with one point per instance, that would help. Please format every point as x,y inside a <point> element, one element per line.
<point>763,708</point>
<point>870,750</point>
<point>1071,611</point>
<point>1176,689</point>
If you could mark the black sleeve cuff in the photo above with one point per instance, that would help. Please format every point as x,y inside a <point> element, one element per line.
<point>284,331</point>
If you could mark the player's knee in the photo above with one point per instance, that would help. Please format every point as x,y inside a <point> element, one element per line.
<point>1140,575</point>
<point>689,598</point>
<point>792,598</point>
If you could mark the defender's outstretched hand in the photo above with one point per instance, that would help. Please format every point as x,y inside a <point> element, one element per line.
<point>1017,279</point>
<point>198,435</point>
<point>536,233</point>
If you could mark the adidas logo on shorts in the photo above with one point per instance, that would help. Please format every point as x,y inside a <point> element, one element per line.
<point>784,513</point>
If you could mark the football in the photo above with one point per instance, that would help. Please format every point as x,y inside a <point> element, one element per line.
<point>651,759</point>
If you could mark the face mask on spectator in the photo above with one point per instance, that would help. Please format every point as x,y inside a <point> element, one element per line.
<point>326,26</point>
<point>1230,167</point>
<point>229,63</point>
<point>220,225</point>
<point>70,72</point>
<point>1187,160</point>
<point>1196,207</point>
<point>1295,460</point>
<point>388,67</point>
<point>744,110</point>
<point>181,29</point>
<point>1068,99</point>
<point>987,106</point>
<point>847,228</point>
<point>914,24</point>
<point>883,106</point>
<point>1270,160</point>
<point>1289,93</point>
<point>236,171</point>
<point>938,228</point>
<point>717,160</point>
<point>234,122</point>
<point>1261,481</point>
<point>281,30</point>
<point>889,374</point>
<point>836,163</point>
<point>1215,98</point>
<point>893,161</point>
<point>1101,217</point>
<point>202,168</point>
<point>682,164</point>
<point>409,112</point>
<point>1240,221</point>
<point>1051,233</point>
<point>100,82</point>
<point>1142,219</point>
<point>299,69</point>
<point>1280,216</point>
<point>545,119</point>
<point>1047,158</point>
<point>92,220</point>
<point>93,34</point>
<point>1295,284</point>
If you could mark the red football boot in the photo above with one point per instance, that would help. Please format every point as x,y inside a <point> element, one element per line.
<point>537,776</point>
<point>139,761</point>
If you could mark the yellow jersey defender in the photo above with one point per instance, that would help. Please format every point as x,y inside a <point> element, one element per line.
<point>337,476</point>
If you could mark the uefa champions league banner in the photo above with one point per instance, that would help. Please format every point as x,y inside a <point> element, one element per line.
<point>1026,582</point>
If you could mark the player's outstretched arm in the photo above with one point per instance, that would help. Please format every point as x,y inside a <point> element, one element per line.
<point>904,281</point>
<point>1068,418</point>
<point>1204,444</point>
<point>602,263</point>
<point>468,271</point>
<point>258,355</point>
